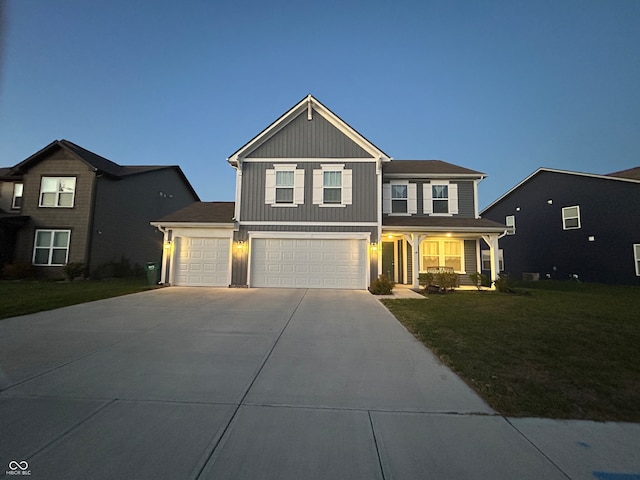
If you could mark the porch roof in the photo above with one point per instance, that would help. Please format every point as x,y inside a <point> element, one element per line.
<point>439,224</point>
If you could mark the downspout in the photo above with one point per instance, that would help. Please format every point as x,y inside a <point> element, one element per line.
<point>379,214</point>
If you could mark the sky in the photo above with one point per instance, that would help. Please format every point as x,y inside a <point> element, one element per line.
<point>499,86</point>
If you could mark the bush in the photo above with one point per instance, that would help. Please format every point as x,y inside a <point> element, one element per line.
<point>118,269</point>
<point>480,280</point>
<point>73,270</point>
<point>19,271</point>
<point>439,282</point>
<point>381,286</point>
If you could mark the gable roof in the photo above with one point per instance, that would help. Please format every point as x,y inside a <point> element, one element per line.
<point>631,173</point>
<point>562,172</point>
<point>201,213</point>
<point>309,104</point>
<point>98,163</point>
<point>428,167</point>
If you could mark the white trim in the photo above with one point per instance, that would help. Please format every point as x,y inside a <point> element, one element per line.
<point>636,257</point>
<point>236,213</point>
<point>322,160</point>
<point>511,226</point>
<point>202,233</point>
<point>51,247</point>
<point>565,218</point>
<point>174,225</point>
<point>14,197</point>
<point>319,224</point>
<point>441,253</point>
<point>57,193</point>
<point>332,205</point>
<point>308,235</point>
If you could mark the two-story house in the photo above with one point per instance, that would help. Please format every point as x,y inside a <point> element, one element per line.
<point>563,224</point>
<point>66,204</point>
<point>319,206</point>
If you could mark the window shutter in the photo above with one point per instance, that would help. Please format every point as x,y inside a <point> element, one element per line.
<point>453,198</point>
<point>427,199</point>
<point>386,198</point>
<point>347,190</point>
<point>270,187</point>
<point>298,187</point>
<point>317,187</point>
<point>412,198</point>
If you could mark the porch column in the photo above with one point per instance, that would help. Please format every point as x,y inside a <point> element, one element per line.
<point>415,240</point>
<point>492,241</point>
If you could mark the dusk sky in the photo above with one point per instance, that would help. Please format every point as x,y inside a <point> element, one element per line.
<point>503,87</point>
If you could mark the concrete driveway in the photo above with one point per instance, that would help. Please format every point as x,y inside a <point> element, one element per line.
<point>183,383</point>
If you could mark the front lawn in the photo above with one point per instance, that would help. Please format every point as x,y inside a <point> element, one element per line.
<point>30,296</point>
<point>565,350</point>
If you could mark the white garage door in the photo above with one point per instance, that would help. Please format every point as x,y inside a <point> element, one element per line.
<point>202,262</point>
<point>308,263</point>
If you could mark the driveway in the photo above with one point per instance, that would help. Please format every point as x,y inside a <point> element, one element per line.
<point>206,383</point>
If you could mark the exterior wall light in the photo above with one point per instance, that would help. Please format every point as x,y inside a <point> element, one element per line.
<point>168,244</point>
<point>240,245</point>
<point>374,247</point>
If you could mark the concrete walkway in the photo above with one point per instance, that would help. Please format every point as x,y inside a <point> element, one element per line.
<point>185,383</point>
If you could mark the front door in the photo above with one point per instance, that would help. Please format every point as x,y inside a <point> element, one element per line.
<point>388,260</point>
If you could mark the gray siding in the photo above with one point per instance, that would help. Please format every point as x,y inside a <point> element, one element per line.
<point>124,209</point>
<point>470,261</point>
<point>363,208</point>
<point>466,197</point>
<point>302,138</point>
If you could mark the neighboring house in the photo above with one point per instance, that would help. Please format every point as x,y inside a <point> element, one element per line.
<point>319,206</point>
<point>565,223</point>
<point>66,204</point>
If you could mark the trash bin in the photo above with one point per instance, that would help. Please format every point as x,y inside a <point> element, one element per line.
<point>153,273</point>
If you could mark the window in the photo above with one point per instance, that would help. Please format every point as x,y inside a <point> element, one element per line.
<point>57,191</point>
<point>486,260</point>
<point>636,255</point>
<point>440,198</point>
<point>442,253</point>
<point>399,198</point>
<point>571,218</point>
<point>284,186</point>
<point>510,222</point>
<point>51,247</point>
<point>332,186</point>
<point>16,202</point>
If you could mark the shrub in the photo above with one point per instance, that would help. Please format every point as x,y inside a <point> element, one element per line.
<point>19,271</point>
<point>426,279</point>
<point>381,286</point>
<point>73,270</point>
<point>118,269</point>
<point>503,283</point>
<point>439,282</point>
<point>480,280</point>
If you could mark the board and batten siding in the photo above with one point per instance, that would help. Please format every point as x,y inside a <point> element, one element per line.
<point>315,138</point>
<point>362,209</point>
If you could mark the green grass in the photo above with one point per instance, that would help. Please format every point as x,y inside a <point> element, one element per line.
<point>30,296</point>
<point>566,350</point>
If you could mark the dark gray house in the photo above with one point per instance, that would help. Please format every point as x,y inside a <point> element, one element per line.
<point>319,206</point>
<point>67,204</point>
<point>563,224</point>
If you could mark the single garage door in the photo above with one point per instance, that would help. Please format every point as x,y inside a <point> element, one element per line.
<point>202,262</point>
<point>308,263</point>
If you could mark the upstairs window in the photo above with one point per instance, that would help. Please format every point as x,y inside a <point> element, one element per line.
<point>51,247</point>
<point>510,222</point>
<point>399,198</point>
<point>636,256</point>
<point>440,198</point>
<point>16,201</point>
<point>284,186</point>
<point>57,192</point>
<point>332,186</point>
<point>571,218</point>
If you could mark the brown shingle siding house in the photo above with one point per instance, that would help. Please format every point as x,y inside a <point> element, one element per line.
<point>77,206</point>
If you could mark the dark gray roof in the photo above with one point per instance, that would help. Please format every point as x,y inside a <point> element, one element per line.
<point>202,212</point>
<point>456,223</point>
<point>632,173</point>
<point>432,167</point>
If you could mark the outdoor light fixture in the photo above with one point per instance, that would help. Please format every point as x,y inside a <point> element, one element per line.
<point>240,245</point>
<point>167,245</point>
<point>374,247</point>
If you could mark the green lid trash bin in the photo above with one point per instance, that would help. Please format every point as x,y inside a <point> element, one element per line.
<point>153,273</point>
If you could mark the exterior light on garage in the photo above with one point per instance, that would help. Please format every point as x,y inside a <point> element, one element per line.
<point>167,245</point>
<point>374,247</point>
<point>239,244</point>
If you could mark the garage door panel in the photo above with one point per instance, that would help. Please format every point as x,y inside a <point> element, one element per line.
<point>308,263</point>
<point>202,261</point>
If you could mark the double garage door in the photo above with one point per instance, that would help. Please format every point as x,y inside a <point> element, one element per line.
<point>308,263</point>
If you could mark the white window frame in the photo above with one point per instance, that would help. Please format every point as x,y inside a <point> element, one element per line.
<point>566,217</point>
<point>510,222</point>
<point>18,190</point>
<point>441,260</point>
<point>59,190</point>
<point>404,199</point>
<point>486,260</point>
<point>636,256</point>
<point>51,247</point>
<point>346,187</point>
<point>271,185</point>
<point>428,200</point>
